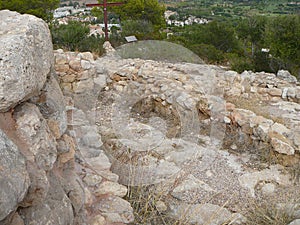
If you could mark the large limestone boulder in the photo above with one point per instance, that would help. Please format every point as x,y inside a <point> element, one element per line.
<point>14,179</point>
<point>26,57</point>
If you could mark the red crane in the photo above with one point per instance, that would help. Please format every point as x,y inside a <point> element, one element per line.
<point>105,4</point>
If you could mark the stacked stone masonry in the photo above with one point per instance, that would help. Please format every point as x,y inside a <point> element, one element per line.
<point>261,108</point>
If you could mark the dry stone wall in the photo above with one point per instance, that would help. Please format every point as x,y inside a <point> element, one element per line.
<point>176,126</point>
<point>81,82</point>
<point>52,168</point>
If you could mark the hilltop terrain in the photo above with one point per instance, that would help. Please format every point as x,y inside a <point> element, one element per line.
<point>117,139</point>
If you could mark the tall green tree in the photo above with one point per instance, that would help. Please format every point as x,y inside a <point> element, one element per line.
<point>39,8</point>
<point>251,31</point>
<point>148,10</point>
<point>283,35</point>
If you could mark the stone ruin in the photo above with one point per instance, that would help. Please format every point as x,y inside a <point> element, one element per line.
<point>77,131</point>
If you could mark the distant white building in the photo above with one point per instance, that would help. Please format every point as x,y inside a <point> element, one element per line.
<point>63,11</point>
<point>189,21</point>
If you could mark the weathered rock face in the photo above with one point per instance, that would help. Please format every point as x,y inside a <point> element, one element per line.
<point>36,152</point>
<point>34,130</point>
<point>25,57</point>
<point>14,179</point>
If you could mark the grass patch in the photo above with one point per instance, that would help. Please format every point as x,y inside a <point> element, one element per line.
<point>295,173</point>
<point>266,215</point>
<point>148,206</point>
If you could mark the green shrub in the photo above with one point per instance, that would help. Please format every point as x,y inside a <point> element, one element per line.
<point>208,53</point>
<point>74,36</point>
<point>240,63</point>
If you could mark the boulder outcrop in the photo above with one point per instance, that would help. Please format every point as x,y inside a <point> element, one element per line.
<point>53,170</point>
<point>26,57</point>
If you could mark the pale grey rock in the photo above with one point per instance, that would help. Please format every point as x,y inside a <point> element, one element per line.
<point>75,64</point>
<point>280,129</point>
<point>86,56</point>
<point>282,147</point>
<point>201,214</point>
<point>275,92</point>
<point>56,209</point>
<point>60,59</point>
<point>227,120</point>
<point>296,138</point>
<point>83,86</point>
<point>250,180</point>
<point>298,93</point>
<point>290,107</point>
<point>100,82</point>
<point>109,50</point>
<point>108,175</point>
<point>285,75</point>
<point>26,57</point>
<point>161,206</point>
<point>92,179</point>
<point>35,131</point>
<point>91,138</point>
<point>99,163</point>
<point>14,178</point>
<point>78,118</point>
<point>183,152</point>
<point>86,65</point>
<point>51,103</point>
<point>191,184</point>
<point>60,51</point>
<point>295,222</point>
<point>108,187</point>
<point>291,92</point>
<point>98,220</point>
<point>284,93</point>
<point>243,116</point>
<point>84,75</point>
<point>262,131</point>
<point>116,207</point>
<point>268,188</point>
<point>73,186</point>
<point>39,186</point>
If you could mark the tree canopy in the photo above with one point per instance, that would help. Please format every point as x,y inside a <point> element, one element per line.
<point>39,8</point>
<point>148,10</point>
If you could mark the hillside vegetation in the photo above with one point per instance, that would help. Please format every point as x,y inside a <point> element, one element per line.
<point>215,9</point>
<point>243,35</point>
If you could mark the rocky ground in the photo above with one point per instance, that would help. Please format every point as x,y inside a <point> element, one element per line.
<point>108,141</point>
<point>210,142</point>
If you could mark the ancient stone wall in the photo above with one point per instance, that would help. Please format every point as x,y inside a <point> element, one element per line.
<point>49,173</point>
<point>194,131</point>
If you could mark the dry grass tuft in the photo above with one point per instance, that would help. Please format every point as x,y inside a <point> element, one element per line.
<point>266,214</point>
<point>144,201</point>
